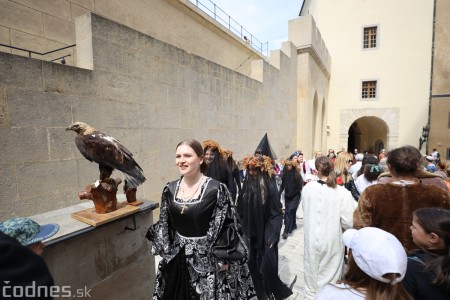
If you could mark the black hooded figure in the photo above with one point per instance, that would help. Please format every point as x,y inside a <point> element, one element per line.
<point>265,149</point>
<point>217,166</point>
<point>234,171</point>
<point>291,184</point>
<point>260,210</point>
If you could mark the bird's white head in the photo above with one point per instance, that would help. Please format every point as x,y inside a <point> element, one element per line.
<point>80,127</point>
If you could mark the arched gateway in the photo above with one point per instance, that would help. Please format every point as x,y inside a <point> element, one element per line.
<point>369,129</point>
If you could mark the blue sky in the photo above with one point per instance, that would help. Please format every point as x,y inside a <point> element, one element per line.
<point>267,20</point>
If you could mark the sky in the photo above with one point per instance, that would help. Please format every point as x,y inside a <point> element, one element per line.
<point>266,20</point>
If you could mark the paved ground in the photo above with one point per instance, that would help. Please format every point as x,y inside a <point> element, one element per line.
<point>290,253</point>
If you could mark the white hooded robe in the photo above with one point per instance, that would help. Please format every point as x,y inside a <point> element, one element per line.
<point>327,213</point>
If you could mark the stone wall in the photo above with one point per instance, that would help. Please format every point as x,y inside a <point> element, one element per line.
<point>46,25</point>
<point>144,92</point>
<point>108,262</point>
<point>313,77</point>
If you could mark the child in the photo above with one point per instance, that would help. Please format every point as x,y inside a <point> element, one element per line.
<point>22,269</point>
<point>376,266</point>
<point>28,232</point>
<point>428,275</point>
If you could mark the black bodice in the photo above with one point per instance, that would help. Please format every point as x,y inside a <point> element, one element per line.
<point>197,213</point>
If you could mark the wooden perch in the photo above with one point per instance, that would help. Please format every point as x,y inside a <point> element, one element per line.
<point>103,194</point>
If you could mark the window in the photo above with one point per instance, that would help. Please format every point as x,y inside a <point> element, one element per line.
<point>369,89</point>
<point>448,153</point>
<point>448,120</point>
<point>370,37</point>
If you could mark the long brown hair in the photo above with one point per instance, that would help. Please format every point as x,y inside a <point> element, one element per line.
<point>375,290</point>
<point>324,166</point>
<point>437,221</point>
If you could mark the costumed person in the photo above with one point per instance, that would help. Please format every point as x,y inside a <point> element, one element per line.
<point>291,184</point>
<point>218,168</point>
<point>327,209</point>
<point>428,273</point>
<point>234,170</point>
<point>259,207</point>
<point>21,264</point>
<point>390,206</point>
<point>376,267</point>
<point>194,211</point>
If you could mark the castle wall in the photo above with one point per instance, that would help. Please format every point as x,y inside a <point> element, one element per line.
<point>144,92</point>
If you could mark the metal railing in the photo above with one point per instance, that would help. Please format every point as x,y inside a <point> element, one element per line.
<point>41,53</point>
<point>232,25</point>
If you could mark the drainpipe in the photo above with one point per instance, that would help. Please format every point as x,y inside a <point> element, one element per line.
<point>431,74</point>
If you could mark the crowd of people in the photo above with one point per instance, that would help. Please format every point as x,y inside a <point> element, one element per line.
<point>375,226</point>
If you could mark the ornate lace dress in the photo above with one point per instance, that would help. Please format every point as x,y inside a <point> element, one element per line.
<point>183,237</point>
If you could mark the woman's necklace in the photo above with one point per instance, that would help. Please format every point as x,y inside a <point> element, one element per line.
<point>186,199</point>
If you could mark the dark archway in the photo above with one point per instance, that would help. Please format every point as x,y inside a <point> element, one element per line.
<point>367,134</point>
<point>353,133</point>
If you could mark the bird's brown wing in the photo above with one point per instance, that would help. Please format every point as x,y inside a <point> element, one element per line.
<point>108,151</point>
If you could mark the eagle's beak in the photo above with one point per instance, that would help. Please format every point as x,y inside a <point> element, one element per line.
<point>69,128</point>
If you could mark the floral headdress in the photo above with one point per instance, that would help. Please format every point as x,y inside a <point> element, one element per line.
<point>290,162</point>
<point>213,145</point>
<point>227,153</point>
<point>255,162</point>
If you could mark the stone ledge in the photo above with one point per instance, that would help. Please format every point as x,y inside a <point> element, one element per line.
<point>70,227</point>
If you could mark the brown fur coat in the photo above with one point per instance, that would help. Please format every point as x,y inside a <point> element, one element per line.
<point>424,177</point>
<point>390,207</point>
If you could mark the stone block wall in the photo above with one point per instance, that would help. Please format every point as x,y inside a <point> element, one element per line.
<point>108,263</point>
<point>148,94</point>
<point>47,25</point>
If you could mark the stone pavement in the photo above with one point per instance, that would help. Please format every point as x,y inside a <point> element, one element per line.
<point>290,263</point>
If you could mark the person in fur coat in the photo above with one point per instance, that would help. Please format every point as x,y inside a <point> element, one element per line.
<point>390,206</point>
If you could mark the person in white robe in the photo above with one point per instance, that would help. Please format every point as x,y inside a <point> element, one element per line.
<point>328,210</point>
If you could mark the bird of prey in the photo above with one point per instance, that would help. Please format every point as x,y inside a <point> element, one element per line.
<point>108,152</point>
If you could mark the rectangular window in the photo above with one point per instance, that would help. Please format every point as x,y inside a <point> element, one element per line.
<point>369,89</point>
<point>370,37</point>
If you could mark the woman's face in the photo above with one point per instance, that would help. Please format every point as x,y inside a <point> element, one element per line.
<point>187,161</point>
<point>253,172</point>
<point>209,156</point>
<point>289,167</point>
<point>419,235</point>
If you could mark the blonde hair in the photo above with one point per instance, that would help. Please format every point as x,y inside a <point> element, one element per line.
<point>341,166</point>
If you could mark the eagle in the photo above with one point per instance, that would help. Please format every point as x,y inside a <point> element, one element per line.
<point>108,152</point>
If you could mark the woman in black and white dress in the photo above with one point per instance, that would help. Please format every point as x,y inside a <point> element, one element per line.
<point>193,210</point>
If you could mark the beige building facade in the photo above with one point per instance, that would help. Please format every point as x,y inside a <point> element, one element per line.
<point>380,70</point>
<point>440,98</point>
